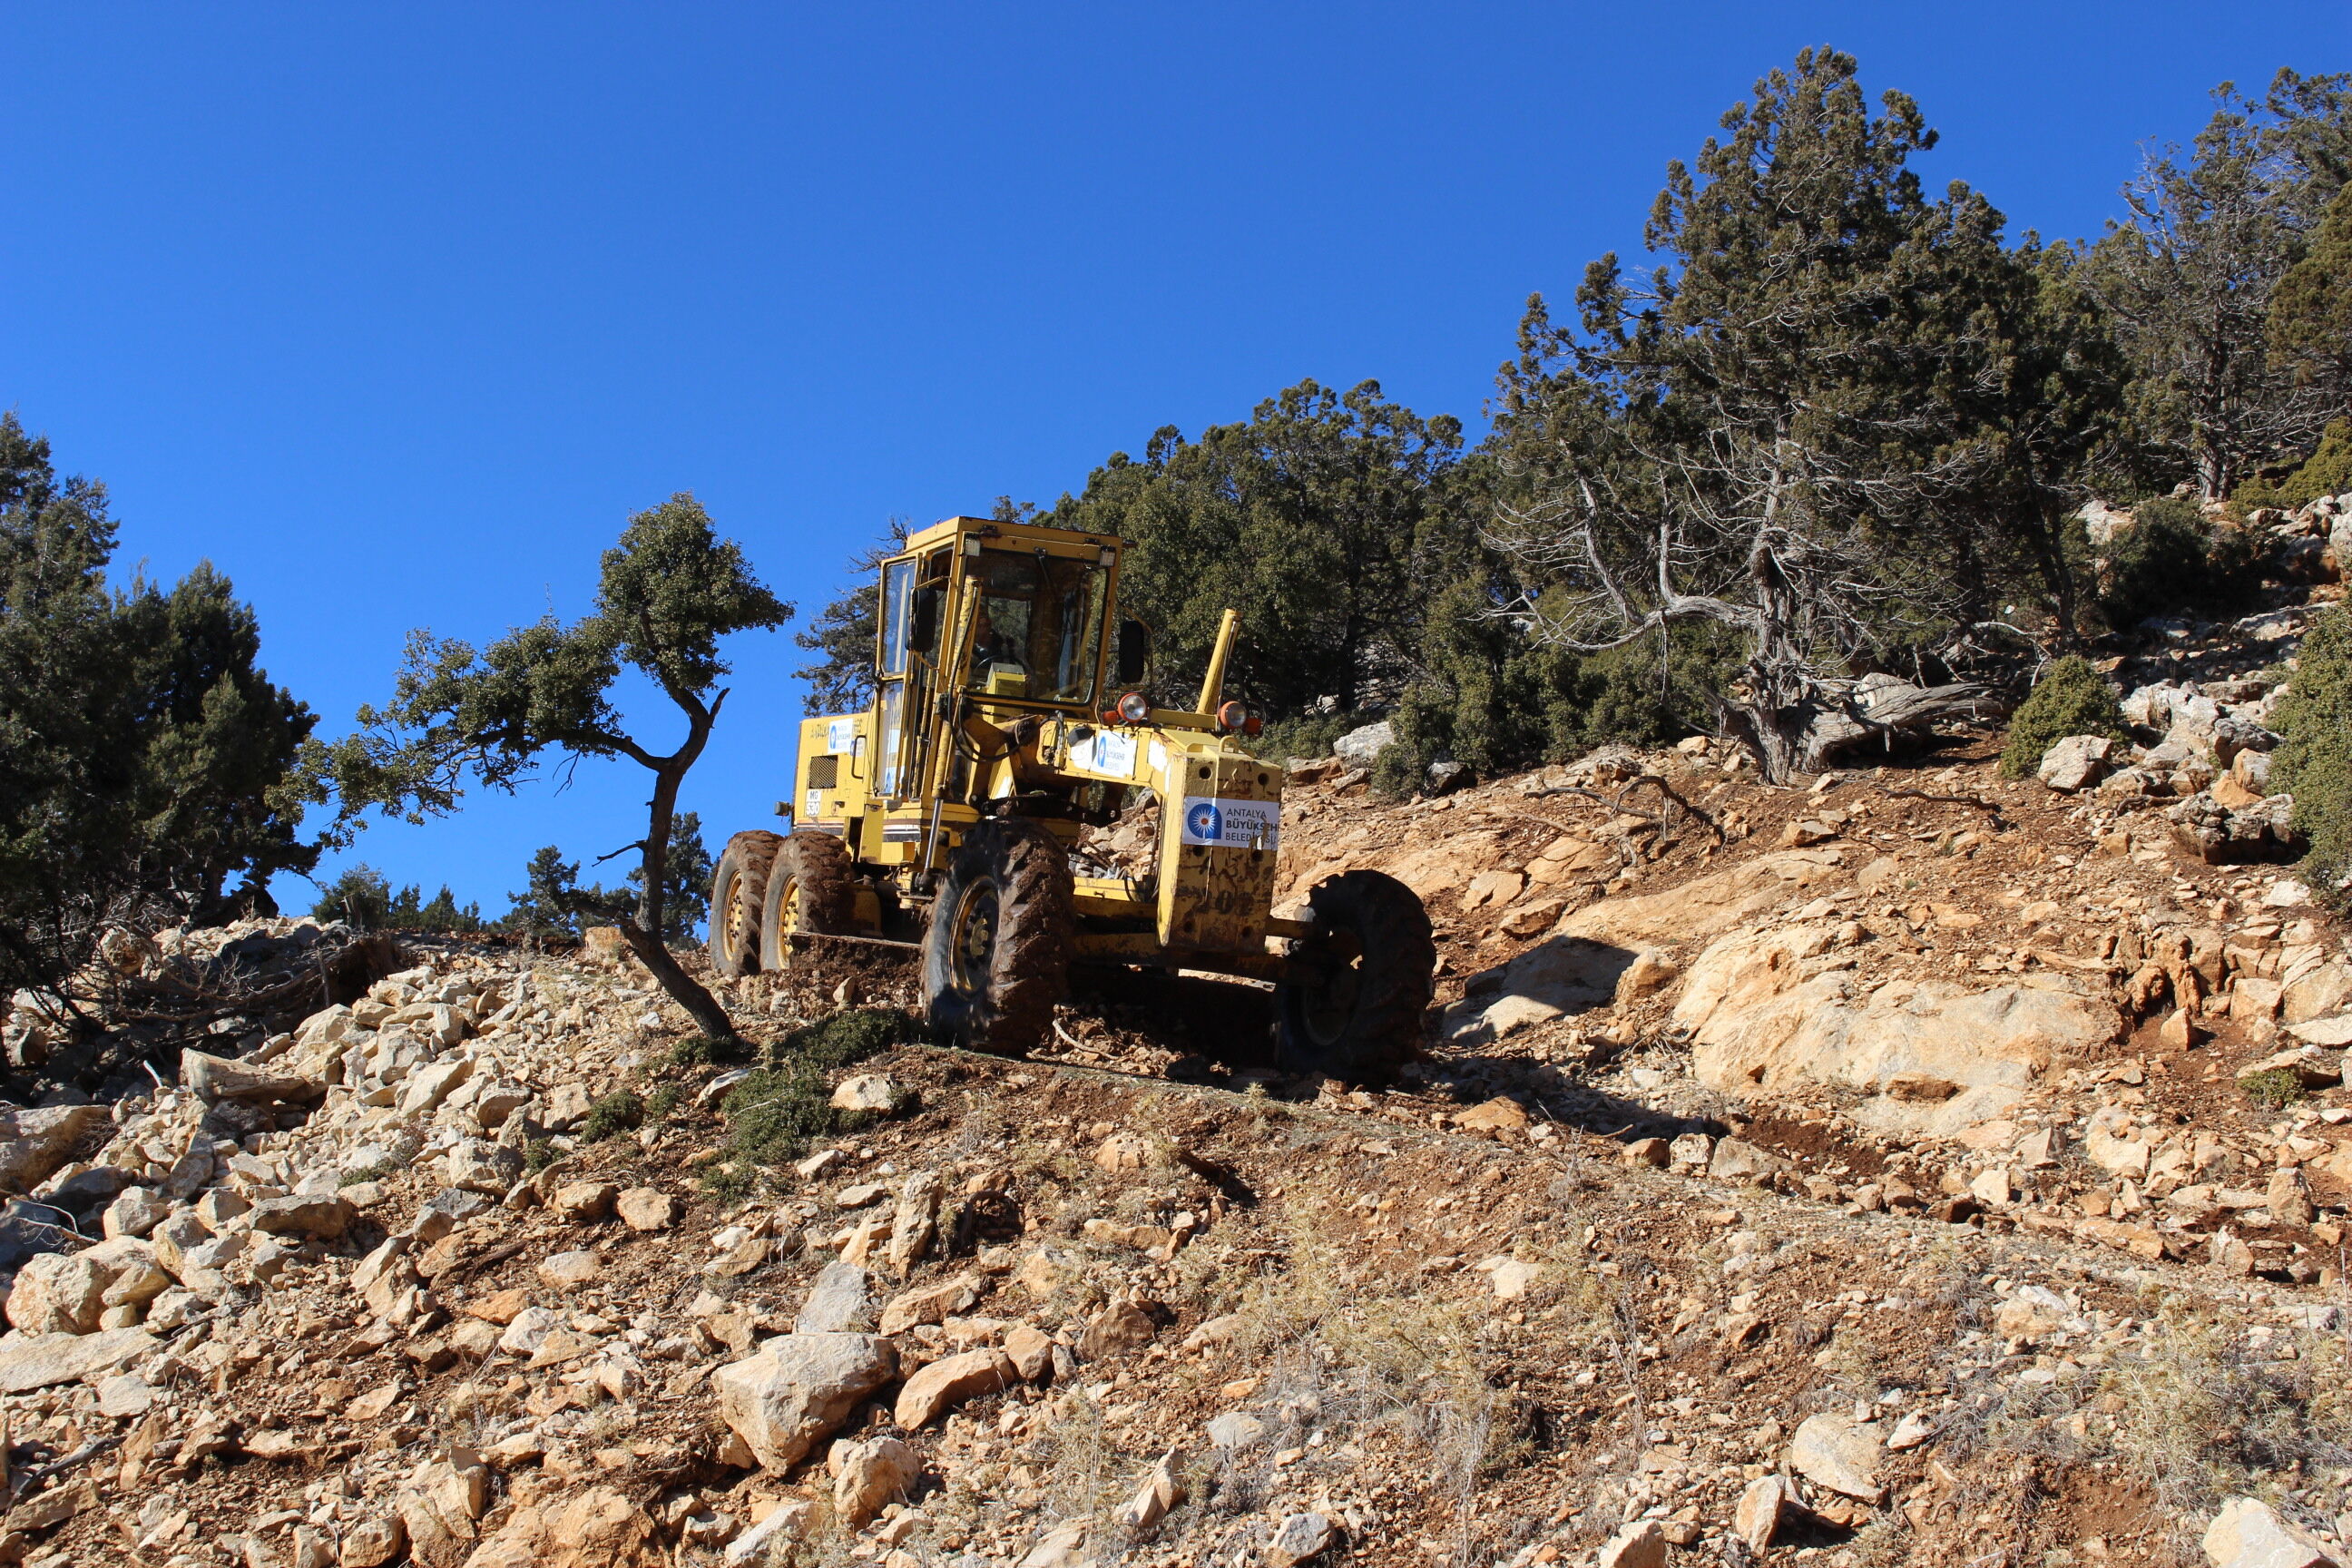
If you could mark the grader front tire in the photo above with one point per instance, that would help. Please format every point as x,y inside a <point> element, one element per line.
<point>738,891</point>
<point>1362,984</point>
<point>996,952</point>
<point>812,891</point>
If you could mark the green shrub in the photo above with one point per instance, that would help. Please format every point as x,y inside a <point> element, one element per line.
<point>2326,472</point>
<point>618,1112</point>
<point>2171,560</point>
<point>663,1100</point>
<point>1310,736</point>
<point>775,1115</point>
<point>539,1154</point>
<point>702,1050</point>
<point>2314,762</point>
<point>2069,700</point>
<point>2273,1090</point>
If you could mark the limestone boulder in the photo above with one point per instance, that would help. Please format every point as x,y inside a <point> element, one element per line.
<point>34,1143</point>
<point>58,1293</point>
<point>1706,907</point>
<point>948,1383</point>
<point>798,1389</point>
<point>1561,975</point>
<point>1834,1451</point>
<point>2247,1534</point>
<point>2076,763</point>
<point>867,1475</point>
<point>1774,1009</point>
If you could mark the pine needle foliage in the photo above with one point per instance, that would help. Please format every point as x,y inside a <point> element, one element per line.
<point>2071,699</point>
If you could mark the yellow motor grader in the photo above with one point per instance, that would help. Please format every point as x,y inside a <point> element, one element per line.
<point>1007,719</point>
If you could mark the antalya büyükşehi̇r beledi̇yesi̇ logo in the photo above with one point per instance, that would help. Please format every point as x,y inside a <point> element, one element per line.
<point>1205,820</point>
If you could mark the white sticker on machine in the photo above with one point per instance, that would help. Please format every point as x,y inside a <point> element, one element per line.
<point>1236,824</point>
<point>1106,752</point>
<point>840,734</point>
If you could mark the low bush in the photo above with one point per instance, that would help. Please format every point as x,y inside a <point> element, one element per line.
<point>2326,472</point>
<point>619,1111</point>
<point>2171,560</point>
<point>775,1115</point>
<point>2071,699</point>
<point>2314,762</point>
<point>2271,1089</point>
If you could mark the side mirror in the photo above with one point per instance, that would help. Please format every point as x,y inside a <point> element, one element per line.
<point>923,626</point>
<point>1134,651</point>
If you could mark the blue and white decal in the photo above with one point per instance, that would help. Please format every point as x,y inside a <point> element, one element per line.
<point>1232,824</point>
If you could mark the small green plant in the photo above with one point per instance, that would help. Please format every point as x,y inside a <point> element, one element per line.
<point>663,1100</point>
<point>539,1154</point>
<point>619,1111</point>
<point>775,1115</point>
<point>2273,1090</point>
<point>2071,699</point>
<point>375,1173</point>
<point>2313,763</point>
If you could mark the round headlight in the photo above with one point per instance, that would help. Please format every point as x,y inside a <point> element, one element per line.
<point>1233,717</point>
<point>1134,708</point>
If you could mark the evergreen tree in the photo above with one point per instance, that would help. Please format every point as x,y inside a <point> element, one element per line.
<point>143,756</point>
<point>1314,519</point>
<point>543,913</point>
<point>360,896</point>
<point>2190,277</point>
<point>667,593</point>
<point>2309,330</point>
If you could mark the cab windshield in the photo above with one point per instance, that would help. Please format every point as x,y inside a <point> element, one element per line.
<point>1036,631</point>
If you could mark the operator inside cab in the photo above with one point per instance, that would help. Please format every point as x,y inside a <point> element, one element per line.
<point>1037,627</point>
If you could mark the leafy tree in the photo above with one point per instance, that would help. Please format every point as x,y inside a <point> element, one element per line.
<point>2314,762</point>
<point>843,635</point>
<point>2069,700</point>
<point>143,756</point>
<point>1767,434</point>
<point>687,903</point>
<point>1312,519</point>
<point>667,593</point>
<point>2189,279</point>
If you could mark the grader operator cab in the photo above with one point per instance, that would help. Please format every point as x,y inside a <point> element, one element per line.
<point>1005,721</point>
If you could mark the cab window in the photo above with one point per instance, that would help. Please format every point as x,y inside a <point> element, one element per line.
<point>1036,631</point>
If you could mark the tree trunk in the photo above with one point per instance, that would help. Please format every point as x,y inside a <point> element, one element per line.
<point>654,864</point>
<point>683,989</point>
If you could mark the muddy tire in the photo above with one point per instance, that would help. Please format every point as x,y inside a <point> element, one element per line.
<point>996,951</point>
<point>1361,986</point>
<point>812,887</point>
<point>738,888</point>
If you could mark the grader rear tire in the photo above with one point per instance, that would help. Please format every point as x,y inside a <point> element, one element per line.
<point>812,889</point>
<point>739,890</point>
<point>1362,984</point>
<point>996,952</point>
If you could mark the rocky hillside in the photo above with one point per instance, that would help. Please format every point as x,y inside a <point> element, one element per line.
<point>1915,1168</point>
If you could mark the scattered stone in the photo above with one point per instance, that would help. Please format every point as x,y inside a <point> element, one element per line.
<point>648,1208</point>
<point>1304,1535</point>
<point>1765,1501</point>
<point>869,1474</point>
<point>840,1301</point>
<point>1641,1544</point>
<point>568,1271</point>
<point>869,1091</point>
<point>1831,1450</point>
<point>798,1388</point>
<point>2247,1534</point>
<point>949,1382</point>
<point>37,1360</point>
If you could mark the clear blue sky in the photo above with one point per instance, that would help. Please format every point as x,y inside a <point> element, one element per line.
<point>396,313</point>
